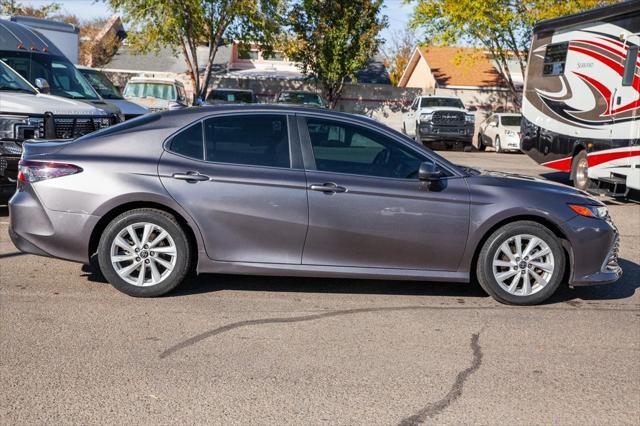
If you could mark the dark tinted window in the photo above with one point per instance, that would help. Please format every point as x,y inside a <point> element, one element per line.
<point>239,96</point>
<point>189,142</point>
<point>554,59</point>
<point>510,120</point>
<point>257,140</point>
<point>345,148</point>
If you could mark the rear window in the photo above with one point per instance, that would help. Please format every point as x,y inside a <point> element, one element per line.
<point>189,142</point>
<point>511,121</point>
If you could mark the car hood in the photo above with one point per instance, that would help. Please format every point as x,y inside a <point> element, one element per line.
<point>515,129</point>
<point>432,109</point>
<point>103,105</point>
<point>29,104</point>
<point>149,102</point>
<point>524,182</point>
<point>127,107</point>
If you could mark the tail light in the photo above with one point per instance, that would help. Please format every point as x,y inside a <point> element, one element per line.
<point>35,171</point>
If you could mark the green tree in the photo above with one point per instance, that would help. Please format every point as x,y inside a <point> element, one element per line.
<point>332,40</point>
<point>503,27</point>
<point>186,24</point>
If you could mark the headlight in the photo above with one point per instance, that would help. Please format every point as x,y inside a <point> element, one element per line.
<point>470,118</point>
<point>8,125</point>
<point>10,148</point>
<point>510,133</point>
<point>599,212</point>
<point>426,117</point>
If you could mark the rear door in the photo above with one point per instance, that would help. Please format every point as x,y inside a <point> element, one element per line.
<point>241,180</point>
<point>367,207</point>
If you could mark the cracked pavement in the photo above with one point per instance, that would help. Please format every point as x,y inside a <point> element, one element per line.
<point>259,350</point>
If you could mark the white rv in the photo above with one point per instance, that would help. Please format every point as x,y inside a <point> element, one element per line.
<point>581,103</point>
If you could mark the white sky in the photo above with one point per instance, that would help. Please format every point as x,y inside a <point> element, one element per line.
<point>397,10</point>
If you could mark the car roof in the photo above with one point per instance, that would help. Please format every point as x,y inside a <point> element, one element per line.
<point>20,38</point>
<point>439,96</point>
<point>154,80</point>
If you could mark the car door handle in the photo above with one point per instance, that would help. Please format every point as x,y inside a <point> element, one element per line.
<point>328,188</point>
<point>191,176</point>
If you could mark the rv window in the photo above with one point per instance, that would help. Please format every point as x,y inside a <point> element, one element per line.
<point>555,58</point>
<point>630,66</point>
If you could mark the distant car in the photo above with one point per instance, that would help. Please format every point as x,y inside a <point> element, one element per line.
<point>501,131</point>
<point>156,93</point>
<point>300,98</point>
<point>231,96</point>
<point>439,119</point>
<point>110,93</point>
<point>294,191</point>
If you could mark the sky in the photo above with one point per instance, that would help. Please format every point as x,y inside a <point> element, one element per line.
<point>397,11</point>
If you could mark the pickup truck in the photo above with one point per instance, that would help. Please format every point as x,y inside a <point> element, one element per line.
<point>439,119</point>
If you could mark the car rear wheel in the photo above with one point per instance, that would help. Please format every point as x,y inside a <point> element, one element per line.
<point>521,263</point>
<point>580,170</point>
<point>144,253</point>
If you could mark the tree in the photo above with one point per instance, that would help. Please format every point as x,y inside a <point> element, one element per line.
<point>397,53</point>
<point>11,7</point>
<point>186,24</point>
<point>503,27</point>
<point>332,40</point>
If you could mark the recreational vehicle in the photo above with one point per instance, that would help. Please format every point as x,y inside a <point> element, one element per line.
<point>581,103</point>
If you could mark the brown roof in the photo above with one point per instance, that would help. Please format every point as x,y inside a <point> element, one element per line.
<point>461,66</point>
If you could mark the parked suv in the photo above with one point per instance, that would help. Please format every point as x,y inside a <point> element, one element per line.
<point>22,116</point>
<point>439,119</point>
<point>156,93</point>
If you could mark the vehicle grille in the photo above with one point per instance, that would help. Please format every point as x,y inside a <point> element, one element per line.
<point>67,128</point>
<point>448,118</point>
<point>611,264</point>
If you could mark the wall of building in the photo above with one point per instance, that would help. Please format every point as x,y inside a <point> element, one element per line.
<point>421,77</point>
<point>382,102</point>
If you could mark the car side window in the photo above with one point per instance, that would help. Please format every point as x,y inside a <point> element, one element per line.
<point>253,139</point>
<point>345,148</point>
<point>189,142</point>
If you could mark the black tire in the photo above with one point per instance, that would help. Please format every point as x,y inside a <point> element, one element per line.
<point>580,171</point>
<point>496,144</point>
<point>156,217</point>
<point>484,267</point>
<point>481,145</point>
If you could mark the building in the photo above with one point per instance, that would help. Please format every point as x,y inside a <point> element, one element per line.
<point>469,73</point>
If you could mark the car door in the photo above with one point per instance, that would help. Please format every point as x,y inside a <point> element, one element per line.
<point>368,209</point>
<point>242,181</point>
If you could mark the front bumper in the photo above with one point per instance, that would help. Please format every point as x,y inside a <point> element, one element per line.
<point>37,230</point>
<point>8,176</point>
<point>594,247</point>
<point>457,133</point>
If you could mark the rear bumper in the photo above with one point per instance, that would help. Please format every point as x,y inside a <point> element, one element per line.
<point>37,230</point>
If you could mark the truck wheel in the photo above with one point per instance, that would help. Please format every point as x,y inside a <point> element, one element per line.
<point>580,170</point>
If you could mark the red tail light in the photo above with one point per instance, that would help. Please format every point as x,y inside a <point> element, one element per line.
<point>35,171</point>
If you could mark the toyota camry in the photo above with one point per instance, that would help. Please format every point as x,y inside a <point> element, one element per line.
<point>287,191</point>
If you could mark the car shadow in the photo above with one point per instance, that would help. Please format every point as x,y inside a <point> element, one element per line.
<point>208,283</point>
<point>4,210</point>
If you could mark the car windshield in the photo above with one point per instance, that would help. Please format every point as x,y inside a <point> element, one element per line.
<point>230,96</point>
<point>441,102</point>
<point>63,78</point>
<point>10,81</point>
<point>101,84</point>
<point>299,98</point>
<point>511,120</point>
<point>163,91</point>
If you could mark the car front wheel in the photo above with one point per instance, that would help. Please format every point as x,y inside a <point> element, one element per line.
<point>144,253</point>
<point>522,263</point>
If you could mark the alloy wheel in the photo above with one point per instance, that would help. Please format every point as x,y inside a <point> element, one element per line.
<point>523,265</point>
<point>582,173</point>
<point>143,254</point>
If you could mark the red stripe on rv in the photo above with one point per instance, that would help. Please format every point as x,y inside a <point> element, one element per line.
<point>594,159</point>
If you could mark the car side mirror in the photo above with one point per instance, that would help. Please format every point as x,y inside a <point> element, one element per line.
<point>429,172</point>
<point>43,85</point>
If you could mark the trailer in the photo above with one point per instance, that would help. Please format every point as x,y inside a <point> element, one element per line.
<point>581,102</point>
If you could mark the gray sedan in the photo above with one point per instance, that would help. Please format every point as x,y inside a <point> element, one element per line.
<point>288,191</point>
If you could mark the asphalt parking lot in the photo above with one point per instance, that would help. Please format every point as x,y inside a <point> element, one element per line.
<point>256,350</point>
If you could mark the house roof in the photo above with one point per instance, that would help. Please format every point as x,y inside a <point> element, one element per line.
<point>455,66</point>
<point>165,60</point>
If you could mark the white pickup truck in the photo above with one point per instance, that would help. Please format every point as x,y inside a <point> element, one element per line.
<point>439,119</point>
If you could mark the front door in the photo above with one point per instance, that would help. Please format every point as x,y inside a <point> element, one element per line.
<point>240,187</point>
<point>367,207</point>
